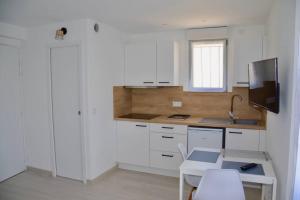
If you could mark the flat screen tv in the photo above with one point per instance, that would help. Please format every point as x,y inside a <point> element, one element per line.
<point>263,84</point>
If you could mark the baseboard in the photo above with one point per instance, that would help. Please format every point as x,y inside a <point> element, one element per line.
<point>39,171</point>
<point>104,174</point>
<point>163,172</point>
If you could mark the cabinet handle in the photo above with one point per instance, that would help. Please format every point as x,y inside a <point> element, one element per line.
<point>166,127</point>
<point>167,137</point>
<point>141,125</point>
<point>234,132</point>
<point>166,155</point>
<point>147,82</point>
<point>164,82</point>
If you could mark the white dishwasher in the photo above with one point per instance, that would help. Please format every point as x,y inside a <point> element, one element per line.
<point>205,137</point>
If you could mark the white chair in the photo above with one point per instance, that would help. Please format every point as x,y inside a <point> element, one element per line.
<point>220,184</point>
<point>189,179</point>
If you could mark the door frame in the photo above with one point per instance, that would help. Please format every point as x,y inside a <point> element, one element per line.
<point>82,105</point>
<point>17,44</point>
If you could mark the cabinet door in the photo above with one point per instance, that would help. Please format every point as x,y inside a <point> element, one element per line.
<point>248,47</point>
<point>167,63</point>
<point>242,139</point>
<point>140,64</point>
<point>133,143</point>
<point>206,139</point>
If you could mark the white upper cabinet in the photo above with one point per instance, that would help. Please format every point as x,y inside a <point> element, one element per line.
<point>167,63</point>
<point>247,47</point>
<point>140,64</point>
<point>151,63</point>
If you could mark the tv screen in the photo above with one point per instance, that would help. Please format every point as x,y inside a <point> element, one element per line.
<point>263,84</point>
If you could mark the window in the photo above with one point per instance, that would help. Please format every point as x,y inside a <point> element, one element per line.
<point>208,66</point>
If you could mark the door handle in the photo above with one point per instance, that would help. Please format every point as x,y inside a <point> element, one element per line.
<point>140,125</point>
<point>148,82</point>
<point>79,112</point>
<point>166,82</point>
<point>234,132</point>
<point>167,137</point>
<point>166,155</point>
<point>165,127</point>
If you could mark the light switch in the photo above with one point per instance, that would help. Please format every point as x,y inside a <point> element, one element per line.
<point>177,104</point>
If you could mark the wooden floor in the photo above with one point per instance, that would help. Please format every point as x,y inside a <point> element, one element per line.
<point>117,185</point>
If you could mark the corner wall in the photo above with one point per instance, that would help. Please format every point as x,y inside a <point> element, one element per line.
<point>280,33</point>
<point>104,69</point>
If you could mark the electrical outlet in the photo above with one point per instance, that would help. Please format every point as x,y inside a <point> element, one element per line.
<point>177,104</point>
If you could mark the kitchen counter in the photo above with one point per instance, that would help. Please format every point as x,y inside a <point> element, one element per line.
<point>194,121</point>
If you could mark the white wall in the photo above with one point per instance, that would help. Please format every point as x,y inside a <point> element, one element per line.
<point>12,32</point>
<point>295,139</point>
<point>104,69</point>
<point>280,33</point>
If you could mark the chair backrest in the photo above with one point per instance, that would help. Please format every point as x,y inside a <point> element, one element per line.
<point>182,150</point>
<point>226,182</point>
<point>191,180</point>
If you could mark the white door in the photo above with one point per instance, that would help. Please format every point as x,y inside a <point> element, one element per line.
<point>11,138</point>
<point>140,64</point>
<point>65,111</point>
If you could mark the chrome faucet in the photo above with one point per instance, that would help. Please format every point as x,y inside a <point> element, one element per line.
<point>231,113</point>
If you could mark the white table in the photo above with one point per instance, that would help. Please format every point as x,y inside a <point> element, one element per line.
<point>198,168</point>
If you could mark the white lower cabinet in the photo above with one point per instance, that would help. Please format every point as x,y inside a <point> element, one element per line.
<point>133,143</point>
<point>164,140</point>
<point>150,145</point>
<point>155,146</point>
<point>243,139</point>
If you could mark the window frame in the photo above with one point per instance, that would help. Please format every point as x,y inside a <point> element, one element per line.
<point>225,67</point>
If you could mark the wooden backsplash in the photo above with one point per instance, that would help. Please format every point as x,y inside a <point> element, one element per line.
<point>159,101</point>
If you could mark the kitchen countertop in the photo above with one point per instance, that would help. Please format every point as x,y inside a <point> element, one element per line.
<point>193,121</point>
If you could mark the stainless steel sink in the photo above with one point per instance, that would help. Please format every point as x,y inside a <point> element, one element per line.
<point>229,121</point>
<point>216,121</point>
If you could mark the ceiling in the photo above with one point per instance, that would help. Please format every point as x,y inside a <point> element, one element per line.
<point>137,16</point>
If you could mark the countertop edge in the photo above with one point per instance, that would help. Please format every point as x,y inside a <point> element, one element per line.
<point>187,122</point>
